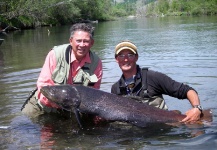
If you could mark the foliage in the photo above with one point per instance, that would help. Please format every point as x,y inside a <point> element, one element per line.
<point>33,13</point>
<point>94,9</point>
<point>125,8</point>
<point>119,12</point>
<point>163,6</point>
<point>62,12</point>
<point>180,7</point>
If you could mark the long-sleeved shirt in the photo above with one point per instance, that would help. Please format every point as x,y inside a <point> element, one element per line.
<point>157,84</point>
<point>45,79</point>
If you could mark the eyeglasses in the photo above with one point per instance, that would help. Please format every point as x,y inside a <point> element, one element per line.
<point>123,56</point>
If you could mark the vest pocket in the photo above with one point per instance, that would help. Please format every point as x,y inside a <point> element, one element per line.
<point>58,75</point>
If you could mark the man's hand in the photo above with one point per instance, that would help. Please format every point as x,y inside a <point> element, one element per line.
<point>192,115</point>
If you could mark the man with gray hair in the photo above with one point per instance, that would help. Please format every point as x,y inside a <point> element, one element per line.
<point>72,63</point>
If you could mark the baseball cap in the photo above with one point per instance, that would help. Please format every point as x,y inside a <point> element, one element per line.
<point>125,45</point>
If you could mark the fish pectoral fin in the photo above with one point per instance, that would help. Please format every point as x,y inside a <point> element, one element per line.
<point>78,117</point>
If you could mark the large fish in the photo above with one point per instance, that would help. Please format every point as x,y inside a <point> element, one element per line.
<point>108,106</point>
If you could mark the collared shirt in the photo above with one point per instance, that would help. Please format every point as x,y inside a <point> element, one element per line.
<point>49,66</point>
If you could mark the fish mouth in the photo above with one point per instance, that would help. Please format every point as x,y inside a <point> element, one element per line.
<point>44,91</point>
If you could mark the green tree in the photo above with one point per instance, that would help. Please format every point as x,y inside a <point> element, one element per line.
<point>32,13</point>
<point>94,9</point>
<point>163,6</point>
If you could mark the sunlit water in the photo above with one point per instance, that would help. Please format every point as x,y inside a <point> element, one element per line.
<point>184,48</point>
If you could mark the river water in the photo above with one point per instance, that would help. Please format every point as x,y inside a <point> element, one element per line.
<point>185,48</point>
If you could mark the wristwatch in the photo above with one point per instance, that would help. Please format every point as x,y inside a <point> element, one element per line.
<point>199,107</point>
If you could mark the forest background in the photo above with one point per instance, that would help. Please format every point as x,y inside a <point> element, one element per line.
<point>22,14</point>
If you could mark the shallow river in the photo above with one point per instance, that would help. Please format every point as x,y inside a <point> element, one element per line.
<point>184,48</point>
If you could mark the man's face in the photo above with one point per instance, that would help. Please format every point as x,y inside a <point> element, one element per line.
<point>126,60</point>
<point>81,43</point>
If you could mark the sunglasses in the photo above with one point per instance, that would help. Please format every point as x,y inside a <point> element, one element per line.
<point>128,56</point>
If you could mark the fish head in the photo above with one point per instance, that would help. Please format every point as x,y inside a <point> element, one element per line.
<point>66,96</point>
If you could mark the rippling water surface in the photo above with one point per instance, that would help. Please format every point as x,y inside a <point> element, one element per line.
<point>185,48</point>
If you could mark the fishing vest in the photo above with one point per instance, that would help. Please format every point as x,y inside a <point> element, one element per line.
<point>85,75</point>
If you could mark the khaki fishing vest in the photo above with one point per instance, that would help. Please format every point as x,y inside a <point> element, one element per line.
<point>85,75</point>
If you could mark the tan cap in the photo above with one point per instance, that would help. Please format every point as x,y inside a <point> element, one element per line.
<point>125,45</point>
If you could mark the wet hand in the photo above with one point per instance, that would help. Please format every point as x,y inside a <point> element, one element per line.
<point>192,116</point>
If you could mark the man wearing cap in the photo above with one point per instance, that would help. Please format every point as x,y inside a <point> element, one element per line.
<point>148,86</point>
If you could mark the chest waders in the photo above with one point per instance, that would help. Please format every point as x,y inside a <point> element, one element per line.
<point>28,98</point>
<point>142,95</point>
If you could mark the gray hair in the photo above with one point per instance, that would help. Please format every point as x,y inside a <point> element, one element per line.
<point>86,27</point>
